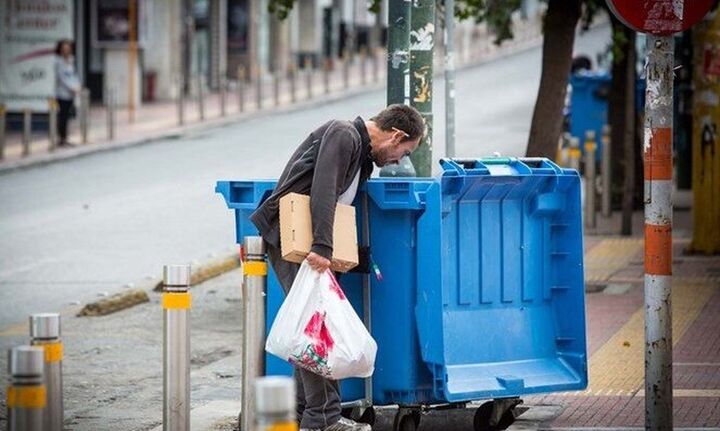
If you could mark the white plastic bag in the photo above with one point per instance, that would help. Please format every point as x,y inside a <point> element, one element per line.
<point>318,330</point>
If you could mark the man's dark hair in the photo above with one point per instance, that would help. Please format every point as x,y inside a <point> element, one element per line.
<point>60,43</point>
<point>402,117</point>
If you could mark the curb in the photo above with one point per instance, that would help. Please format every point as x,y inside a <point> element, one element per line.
<point>124,300</point>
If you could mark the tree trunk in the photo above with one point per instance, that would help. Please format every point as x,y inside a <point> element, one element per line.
<point>629,137</point>
<point>560,23</point>
<point>616,111</point>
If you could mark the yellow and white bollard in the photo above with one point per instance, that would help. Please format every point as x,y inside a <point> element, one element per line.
<point>176,302</point>
<point>255,271</point>
<point>26,395</point>
<point>275,404</point>
<point>45,333</point>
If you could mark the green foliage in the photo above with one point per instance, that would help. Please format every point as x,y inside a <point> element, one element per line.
<point>281,8</point>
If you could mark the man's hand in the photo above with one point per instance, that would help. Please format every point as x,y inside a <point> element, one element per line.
<point>317,262</point>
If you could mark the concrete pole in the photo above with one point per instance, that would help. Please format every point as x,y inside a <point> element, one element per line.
<point>27,132</point>
<point>253,348</point>
<point>590,150</point>
<point>422,37</point>
<point>52,123</point>
<point>26,395</point>
<point>450,78</point>
<point>176,302</point>
<point>606,171</point>
<point>45,333</point>
<point>658,171</point>
<point>2,131</point>
<point>275,403</point>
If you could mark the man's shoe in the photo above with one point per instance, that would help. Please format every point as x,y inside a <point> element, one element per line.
<point>344,424</point>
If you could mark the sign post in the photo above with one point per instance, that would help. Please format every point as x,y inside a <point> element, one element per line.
<point>660,19</point>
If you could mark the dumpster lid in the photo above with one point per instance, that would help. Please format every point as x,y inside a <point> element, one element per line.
<point>500,289</point>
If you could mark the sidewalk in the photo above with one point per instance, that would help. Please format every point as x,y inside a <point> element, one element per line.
<point>615,318</point>
<point>158,120</point>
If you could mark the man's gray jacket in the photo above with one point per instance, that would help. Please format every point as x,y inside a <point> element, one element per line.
<point>323,166</point>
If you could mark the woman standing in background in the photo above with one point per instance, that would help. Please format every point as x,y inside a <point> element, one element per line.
<point>67,85</point>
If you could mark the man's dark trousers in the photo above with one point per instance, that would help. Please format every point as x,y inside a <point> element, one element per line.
<point>318,398</point>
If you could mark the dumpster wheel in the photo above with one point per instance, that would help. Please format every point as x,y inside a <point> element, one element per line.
<point>406,419</point>
<point>365,415</point>
<point>483,415</point>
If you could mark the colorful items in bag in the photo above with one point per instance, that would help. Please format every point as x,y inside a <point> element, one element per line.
<point>314,356</point>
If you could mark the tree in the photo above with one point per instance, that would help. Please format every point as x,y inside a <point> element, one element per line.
<point>622,118</point>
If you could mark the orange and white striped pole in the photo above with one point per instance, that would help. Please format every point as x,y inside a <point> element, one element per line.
<point>657,150</point>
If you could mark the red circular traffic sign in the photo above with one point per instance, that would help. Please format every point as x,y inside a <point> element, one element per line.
<point>660,17</point>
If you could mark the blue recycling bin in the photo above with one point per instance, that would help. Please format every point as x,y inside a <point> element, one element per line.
<point>482,293</point>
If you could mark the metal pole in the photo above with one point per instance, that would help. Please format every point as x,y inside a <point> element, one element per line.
<point>292,74</point>
<point>45,333</point>
<point>658,233</point>
<point>450,78</point>
<point>2,131</point>
<point>326,75</point>
<point>398,75</point>
<point>574,154</point>
<point>376,65</point>
<point>590,150</point>
<point>27,132</point>
<point>346,70</point>
<point>201,96</point>
<point>275,404</point>
<point>132,57</point>
<point>363,66</point>
<point>180,100</point>
<point>176,302</point>
<point>85,114</point>
<point>398,71</point>
<point>422,39</point>
<point>26,395</point>
<point>308,78</point>
<point>276,88</point>
<point>111,113</point>
<point>606,171</point>
<point>52,123</point>
<point>253,348</point>
<point>223,95</point>
<point>258,87</point>
<point>241,88</point>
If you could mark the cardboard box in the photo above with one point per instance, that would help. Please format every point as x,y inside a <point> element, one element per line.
<point>296,232</point>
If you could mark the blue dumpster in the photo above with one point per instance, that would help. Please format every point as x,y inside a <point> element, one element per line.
<point>482,293</point>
